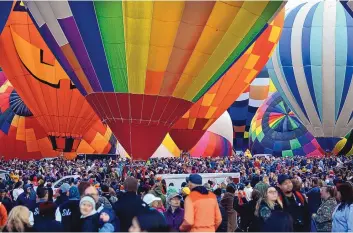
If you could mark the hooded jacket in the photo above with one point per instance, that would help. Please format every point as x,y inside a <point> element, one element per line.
<point>202,212</point>
<point>113,225</point>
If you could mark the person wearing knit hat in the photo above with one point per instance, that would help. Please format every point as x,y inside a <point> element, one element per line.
<point>89,215</point>
<point>87,206</point>
<point>262,188</point>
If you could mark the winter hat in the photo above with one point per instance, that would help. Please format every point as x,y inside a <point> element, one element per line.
<point>90,200</point>
<point>110,212</point>
<point>172,190</point>
<point>262,188</point>
<point>65,187</point>
<point>74,193</point>
<point>185,190</point>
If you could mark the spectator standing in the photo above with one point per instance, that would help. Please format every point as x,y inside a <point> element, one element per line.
<point>294,203</point>
<point>129,204</point>
<point>343,214</point>
<point>202,202</point>
<point>174,214</point>
<point>323,217</point>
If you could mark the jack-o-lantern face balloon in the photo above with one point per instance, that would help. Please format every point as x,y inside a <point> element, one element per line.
<point>41,82</point>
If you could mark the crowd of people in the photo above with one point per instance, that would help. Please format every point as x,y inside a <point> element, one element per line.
<point>117,195</point>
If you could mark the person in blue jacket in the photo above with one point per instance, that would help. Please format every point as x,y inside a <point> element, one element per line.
<point>108,221</point>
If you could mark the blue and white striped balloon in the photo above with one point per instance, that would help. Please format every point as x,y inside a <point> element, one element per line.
<point>312,68</point>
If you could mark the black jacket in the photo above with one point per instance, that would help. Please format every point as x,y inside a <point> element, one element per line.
<point>70,215</point>
<point>298,208</point>
<point>127,207</point>
<point>44,224</point>
<point>90,223</point>
<point>61,199</point>
<point>248,221</point>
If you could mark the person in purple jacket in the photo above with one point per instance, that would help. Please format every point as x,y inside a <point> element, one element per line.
<point>174,214</point>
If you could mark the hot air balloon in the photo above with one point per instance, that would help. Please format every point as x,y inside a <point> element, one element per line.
<point>167,149</point>
<point>2,77</point>
<point>312,69</point>
<point>217,141</point>
<point>141,64</point>
<point>344,146</point>
<point>20,134</point>
<point>244,108</point>
<point>276,130</point>
<point>189,129</point>
<point>42,83</point>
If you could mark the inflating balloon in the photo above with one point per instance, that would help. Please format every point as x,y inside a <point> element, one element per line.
<point>21,136</point>
<point>141,64</point>
<point>312,68</point>
<point>190,128</point>
<point>344,146</point>
<point>277,131</point>
<point>244,108</point>
<point>42,83</point>
<point>217,141</point>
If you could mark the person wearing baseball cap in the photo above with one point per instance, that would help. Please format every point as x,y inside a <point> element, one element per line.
<point>294,203</point>
<point>205,204</point>
<point>174,214</point>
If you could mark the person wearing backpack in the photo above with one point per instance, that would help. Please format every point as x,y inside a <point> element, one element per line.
<point>294,203</point>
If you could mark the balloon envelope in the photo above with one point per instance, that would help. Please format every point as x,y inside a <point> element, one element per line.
<point>2,77</point>
<point>42,83</point>
<point>312,69</point>
<point>217,141</point>
<point>21,136</point>
<point>276,130</point>
<point>190,128</point>
<point>244,108</point>
<point>142,64</point>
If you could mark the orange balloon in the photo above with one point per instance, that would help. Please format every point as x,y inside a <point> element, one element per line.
<point>187,131</point>
<point>21,136</point>
<point>43,85</point>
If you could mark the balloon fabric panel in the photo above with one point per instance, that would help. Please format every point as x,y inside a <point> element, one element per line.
<point>276,130</point>
<point>42,83</point>
<point>244,108</point>
<point>127,56</point>
<point>312,59</point>
<point>220,97</point>
<point>20,134</point>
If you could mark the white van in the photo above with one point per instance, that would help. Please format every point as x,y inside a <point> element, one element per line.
<point>217,178</point>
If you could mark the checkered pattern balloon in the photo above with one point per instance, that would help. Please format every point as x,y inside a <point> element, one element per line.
<point>276,130</point>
